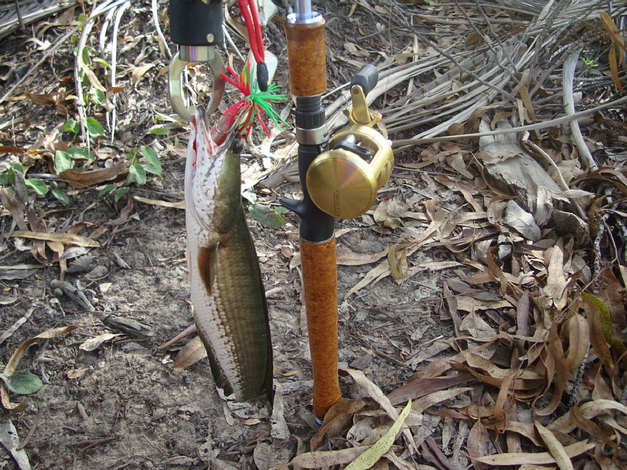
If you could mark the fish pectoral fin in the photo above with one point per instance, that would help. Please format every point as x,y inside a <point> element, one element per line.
<point>208,266</point>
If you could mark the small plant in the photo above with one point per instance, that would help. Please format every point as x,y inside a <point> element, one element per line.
<point>591,67</point>
<point>142,161</point>
<point>94,128</point>
<point>66,159</point>
<point>14,175</point>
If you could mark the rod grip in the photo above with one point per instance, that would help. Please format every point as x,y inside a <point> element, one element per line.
<point>306,57</point>
<point>320,284</point>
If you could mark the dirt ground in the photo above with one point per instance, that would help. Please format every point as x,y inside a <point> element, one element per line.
<point>118,403</point>
<point>123,405</point>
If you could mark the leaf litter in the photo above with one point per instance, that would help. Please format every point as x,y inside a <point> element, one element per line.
<point>525,228</point>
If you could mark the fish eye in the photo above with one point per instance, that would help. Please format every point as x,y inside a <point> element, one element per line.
<point>238,146</point>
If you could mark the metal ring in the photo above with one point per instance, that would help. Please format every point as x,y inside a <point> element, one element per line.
<point>175,72</point>
<point>176,88</point>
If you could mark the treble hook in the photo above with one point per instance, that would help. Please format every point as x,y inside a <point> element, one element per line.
<point>186,54</point>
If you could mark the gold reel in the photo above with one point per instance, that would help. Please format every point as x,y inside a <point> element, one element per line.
<point>343,181</point>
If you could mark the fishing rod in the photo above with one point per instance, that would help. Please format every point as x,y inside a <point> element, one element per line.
<point>339,175</point>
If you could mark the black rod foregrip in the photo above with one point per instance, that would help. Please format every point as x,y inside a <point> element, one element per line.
<point>315,225</point>
<point>196,23</point>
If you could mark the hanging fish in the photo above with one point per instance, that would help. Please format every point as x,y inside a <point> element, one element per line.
<point>227,294</point>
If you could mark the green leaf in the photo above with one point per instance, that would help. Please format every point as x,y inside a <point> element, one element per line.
<point>97,96</point>
<point>62,161</point>
<point>85,54</point>
<point>160,131</point>
<point>101,61</point>
<point>61,196</point>
<point>94,128</point>
<point>120,192</point>
<point>379,448</point>
<point>107,189</point>
<point>22,382</point>
<point>37,185</point>
<point>71,125</point>
<point>266,216</point>
<point>136,174</point>
<point>78,153</point>
<point>154,164</point>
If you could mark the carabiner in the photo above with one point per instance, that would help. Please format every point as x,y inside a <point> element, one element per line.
<point>186,54</point>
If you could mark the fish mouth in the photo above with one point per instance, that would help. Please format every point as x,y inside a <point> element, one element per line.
<point>216,141</point>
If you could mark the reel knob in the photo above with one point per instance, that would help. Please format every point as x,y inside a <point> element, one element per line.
<point>343,181</point>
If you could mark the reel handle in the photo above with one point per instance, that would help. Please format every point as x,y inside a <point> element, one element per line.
<point>367,78</point>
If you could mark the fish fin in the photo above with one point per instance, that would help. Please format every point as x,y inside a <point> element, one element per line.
<point>207,266</point>
<point>217,372</point>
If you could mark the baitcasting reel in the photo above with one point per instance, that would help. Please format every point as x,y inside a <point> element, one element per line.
<point>343,181</point>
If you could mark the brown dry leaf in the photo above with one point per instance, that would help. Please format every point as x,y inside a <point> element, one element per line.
<point>80,179</point>
<point>65,238</point>
<point>76,373</point>
<point>156,202</point>
<point>528,379</point>
<point>589,410</point>
<point>373,276</point>
<point>612,294</point>
<point>434,398</point>
<point>456,161</point>
<point>322,459</point>
<point>590,427</point>
<point>555,447</point>
<point>14,206</point>
<point>526,430</point>
<point>556,282</point>
<point>139,72</point>
<point>397,258</point>
<point>555,355</point>
<point>190,354</point>
<point>477,327</point>
<point>21,349</point>
<point>418,388</point>
<point>377,395</point>
<point>478,443</point>
<point>615,56</point>
<point>94,343</point>
<point>388,213</point>
<point>347,257</point>
<point>578,332</point>
<point>539,458</point>
<point>11,149</point>
<point>337,419</point>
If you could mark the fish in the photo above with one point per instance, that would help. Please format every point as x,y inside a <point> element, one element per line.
<point>227,293</point>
